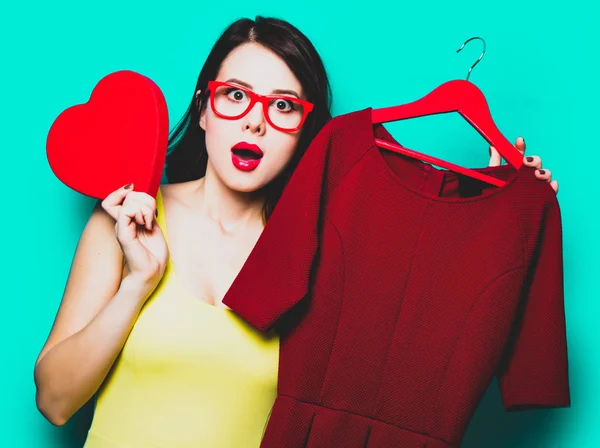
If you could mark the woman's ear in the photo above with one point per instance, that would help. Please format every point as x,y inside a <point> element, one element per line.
<point>202,111</point>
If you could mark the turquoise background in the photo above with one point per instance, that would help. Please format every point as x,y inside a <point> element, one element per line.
<point>539,75</point>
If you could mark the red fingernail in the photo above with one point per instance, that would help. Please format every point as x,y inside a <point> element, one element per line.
<point>530,159</point>
<point>128,186</point>
<point>542,171</point>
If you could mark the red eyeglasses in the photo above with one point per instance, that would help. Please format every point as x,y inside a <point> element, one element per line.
<point>285,113</point>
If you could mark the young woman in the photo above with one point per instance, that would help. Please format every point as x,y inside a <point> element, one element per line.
<point>141,322</point>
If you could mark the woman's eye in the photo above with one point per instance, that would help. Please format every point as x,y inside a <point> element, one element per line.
<point>237,95</point>
<point>283,105</point>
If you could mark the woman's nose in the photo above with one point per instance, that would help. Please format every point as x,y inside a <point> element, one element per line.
<point>254,119</point>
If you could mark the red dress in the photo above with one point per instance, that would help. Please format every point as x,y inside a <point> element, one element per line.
<point>400,291</point>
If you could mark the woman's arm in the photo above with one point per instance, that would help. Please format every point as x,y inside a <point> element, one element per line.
<point>95,317</point>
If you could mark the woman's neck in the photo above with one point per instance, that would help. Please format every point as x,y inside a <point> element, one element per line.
<point>229,209</point>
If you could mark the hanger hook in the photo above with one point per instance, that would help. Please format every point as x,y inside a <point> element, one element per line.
<point>481,56</point>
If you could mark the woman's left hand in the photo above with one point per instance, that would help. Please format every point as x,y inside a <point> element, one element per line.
<point>533,161</point>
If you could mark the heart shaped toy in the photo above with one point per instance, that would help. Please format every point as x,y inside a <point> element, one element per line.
<point>119,136</point>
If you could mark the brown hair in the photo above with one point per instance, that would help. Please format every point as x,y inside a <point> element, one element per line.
<point>187,155</point>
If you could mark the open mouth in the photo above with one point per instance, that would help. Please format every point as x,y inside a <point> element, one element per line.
<point>246,154</point>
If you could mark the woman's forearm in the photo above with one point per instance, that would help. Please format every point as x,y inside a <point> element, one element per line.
<point>72,371</point>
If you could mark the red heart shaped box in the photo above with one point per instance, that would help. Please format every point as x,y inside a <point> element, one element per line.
<point>119,136</point>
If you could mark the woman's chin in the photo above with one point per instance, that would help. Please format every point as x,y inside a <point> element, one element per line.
<point>250,184</point>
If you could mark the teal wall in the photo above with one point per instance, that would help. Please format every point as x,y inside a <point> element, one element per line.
<point>539,74</point>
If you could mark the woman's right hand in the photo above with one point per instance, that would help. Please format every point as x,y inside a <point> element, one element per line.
<point>140,238</point>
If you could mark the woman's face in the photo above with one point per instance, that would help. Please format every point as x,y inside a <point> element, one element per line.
<point>263,72</point>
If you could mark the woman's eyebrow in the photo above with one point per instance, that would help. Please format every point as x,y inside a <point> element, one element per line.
<point>286,92</point>
<point>278,91</point>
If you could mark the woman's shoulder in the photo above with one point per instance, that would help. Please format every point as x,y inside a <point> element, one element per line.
<point>177,192</point>
<point>172,189</point>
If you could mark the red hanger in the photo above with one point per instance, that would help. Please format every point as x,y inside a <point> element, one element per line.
<point>459,96</point>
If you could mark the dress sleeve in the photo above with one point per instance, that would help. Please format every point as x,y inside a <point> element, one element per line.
<point>275,275</point>
<point>534,373</point>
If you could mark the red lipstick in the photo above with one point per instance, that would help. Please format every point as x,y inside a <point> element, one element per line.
<point>246,156</point>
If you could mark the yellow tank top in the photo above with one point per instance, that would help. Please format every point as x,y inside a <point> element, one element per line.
<point>190,375</point>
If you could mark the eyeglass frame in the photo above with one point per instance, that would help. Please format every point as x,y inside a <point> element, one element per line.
<point>263,99</point>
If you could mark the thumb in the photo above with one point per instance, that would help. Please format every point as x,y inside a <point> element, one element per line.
<point>495,159</point>
<point>113,201</point>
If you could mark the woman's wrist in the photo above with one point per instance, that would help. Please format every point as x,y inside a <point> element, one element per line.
<point>137,286</point>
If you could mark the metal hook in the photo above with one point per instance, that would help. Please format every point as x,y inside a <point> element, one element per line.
<point>481,56</point>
